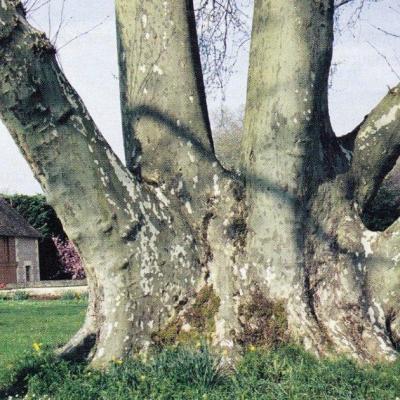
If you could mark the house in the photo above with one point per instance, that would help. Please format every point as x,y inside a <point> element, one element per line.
<point>19,247</point>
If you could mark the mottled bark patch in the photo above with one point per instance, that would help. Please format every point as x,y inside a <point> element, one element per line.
<point>195,322</point>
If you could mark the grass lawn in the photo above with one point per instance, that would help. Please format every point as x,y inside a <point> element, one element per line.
<point>24,322</point>
<point>175,373</point>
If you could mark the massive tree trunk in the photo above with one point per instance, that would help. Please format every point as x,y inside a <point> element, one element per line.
<point>301,246</point>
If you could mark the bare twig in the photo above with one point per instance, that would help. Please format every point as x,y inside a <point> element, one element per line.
<point>83,33</point>
<point>385,58</point>
<point>223,29</point>
<point>385,31</point>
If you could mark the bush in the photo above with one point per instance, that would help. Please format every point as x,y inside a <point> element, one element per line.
<point>71,295</point>
<point>20,295</point>
<point>4,297</point>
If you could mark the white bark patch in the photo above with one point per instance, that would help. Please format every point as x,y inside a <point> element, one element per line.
<point>379,312</point>
<point>144,20</point>
<point>100,353</point>
<point>380,123</point>
<point>177,251</point>
<point>367,241</point>
<point>191,157</point>
<point>243,271</point>
<point>396,258</point>
<point>216,187</point>
<point>188,207</point>
<point>3,5</point>
<point>157,70</point>
<point>125,179</point>
<point>371,315</point>
<point>160,196</point>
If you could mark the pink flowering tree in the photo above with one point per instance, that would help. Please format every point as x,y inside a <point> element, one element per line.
<point>69,258</point>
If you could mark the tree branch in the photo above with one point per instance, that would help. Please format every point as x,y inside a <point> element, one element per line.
<point>384,208</point>
<point>376,150</point>
<point>167,134</point>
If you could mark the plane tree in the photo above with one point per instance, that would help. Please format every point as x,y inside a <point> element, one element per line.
<point>301,245</point>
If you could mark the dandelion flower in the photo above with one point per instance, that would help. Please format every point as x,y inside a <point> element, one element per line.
<point>37,346</point>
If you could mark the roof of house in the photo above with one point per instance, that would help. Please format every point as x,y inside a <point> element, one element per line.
<point>13,224</point>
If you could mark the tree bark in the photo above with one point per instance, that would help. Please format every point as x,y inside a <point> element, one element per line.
<point>175,247</point>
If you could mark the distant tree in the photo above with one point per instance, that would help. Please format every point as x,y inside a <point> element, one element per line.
<point>227,135</point>
<point>38,212</point>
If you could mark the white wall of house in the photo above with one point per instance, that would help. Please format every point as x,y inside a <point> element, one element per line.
<point>27,257</point>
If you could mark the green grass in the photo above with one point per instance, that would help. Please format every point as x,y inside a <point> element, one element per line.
<point>177,373</point>
<point>24,322</point>
<point>189,374</point>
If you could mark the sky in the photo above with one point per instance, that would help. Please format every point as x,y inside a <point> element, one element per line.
<point>367,63</point>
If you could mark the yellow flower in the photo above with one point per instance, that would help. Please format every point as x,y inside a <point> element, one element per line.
<point>142,377</point>
<point>252,348</point>
<point>198,345</point>
<point>37,346</point>
<point>117,361</point>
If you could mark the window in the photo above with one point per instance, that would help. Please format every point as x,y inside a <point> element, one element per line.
<point>28,273</point>
<point>4,250</point>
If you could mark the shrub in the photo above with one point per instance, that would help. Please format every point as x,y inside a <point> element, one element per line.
<point>71,295</point>
<point>20,295</point>
<point>4,297</point>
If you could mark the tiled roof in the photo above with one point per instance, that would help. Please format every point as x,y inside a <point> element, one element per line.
<point>13,224</point>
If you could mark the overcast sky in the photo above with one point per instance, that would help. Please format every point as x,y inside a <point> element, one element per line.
<point>361,79</point>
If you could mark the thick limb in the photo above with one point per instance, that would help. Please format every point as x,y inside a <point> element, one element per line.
<point>286,125</point>
<point>168,138</point>
<point>376,149</point>
<point>128,241</point>
<point>166,128</point>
